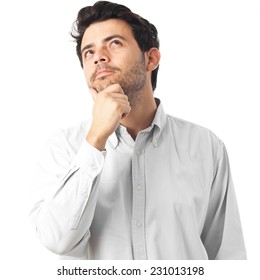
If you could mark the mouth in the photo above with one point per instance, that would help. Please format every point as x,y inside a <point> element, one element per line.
<point>103,73</point>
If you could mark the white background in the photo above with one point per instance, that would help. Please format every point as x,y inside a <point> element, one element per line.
<point>209,74</point>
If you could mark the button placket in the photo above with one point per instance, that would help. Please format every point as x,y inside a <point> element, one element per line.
<point>138,215</point>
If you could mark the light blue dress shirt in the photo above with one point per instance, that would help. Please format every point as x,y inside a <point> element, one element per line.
<point>167,195</point>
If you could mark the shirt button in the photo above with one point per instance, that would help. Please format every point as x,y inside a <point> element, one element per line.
<point>139,224</point>
<point>138,152</point>
<point>94,167</point>
<point>139,187</point>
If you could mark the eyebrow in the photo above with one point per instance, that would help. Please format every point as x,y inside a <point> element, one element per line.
<point>89,46</point>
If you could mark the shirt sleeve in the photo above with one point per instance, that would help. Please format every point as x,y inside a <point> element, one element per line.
<point>222,234</point>
<point>65,195</point>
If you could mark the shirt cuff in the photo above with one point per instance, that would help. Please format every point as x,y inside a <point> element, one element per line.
<point>89,159</point>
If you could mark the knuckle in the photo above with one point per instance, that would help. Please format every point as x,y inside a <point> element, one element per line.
<point>117,87</point>
<point>105,94</point>
<point>113,103</point>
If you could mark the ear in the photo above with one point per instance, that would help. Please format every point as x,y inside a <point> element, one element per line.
<point>153,59</point>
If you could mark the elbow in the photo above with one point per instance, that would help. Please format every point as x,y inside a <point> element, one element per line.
<point>59,247</point>
<point>66,244</point>
<point>53,240</point>
<point>52,233</point>
<point>55,233</point>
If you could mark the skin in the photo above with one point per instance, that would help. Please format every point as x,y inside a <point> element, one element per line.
<point>119,77</point>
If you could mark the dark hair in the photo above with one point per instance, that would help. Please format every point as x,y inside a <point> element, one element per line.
<point>145,33</point>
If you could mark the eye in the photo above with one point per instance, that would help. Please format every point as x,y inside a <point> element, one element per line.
<point>88,53</point>
<point>115,43</point>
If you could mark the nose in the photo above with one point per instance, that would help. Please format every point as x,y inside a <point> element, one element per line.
<point>101,56</point>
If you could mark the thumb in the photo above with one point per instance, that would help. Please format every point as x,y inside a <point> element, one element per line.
<point>93,92</point>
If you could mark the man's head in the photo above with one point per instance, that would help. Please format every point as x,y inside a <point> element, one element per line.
<point>144,33</point>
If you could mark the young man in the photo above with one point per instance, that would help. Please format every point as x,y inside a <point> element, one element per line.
<point>133,182</point>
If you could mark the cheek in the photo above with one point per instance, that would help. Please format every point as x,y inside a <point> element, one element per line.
<point>87,74</point>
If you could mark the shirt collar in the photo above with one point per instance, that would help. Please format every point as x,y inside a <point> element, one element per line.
<point>158,122</point>
<point>157,125</point>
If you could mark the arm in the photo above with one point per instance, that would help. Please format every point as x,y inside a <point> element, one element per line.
<point>68,188</point>
<point>222,233</point>
<point>66,195</point>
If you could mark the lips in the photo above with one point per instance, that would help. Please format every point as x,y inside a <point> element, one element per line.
<point>103,70</point>
<point>103,73</point>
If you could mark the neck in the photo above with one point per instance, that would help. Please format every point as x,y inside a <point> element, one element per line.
<point>141,116</point>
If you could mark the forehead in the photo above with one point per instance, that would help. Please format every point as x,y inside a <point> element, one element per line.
<point>99,30</point>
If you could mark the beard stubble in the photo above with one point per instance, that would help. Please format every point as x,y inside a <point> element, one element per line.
<point>132,81</point>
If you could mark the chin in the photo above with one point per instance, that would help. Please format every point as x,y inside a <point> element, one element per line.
<point>101,85</point>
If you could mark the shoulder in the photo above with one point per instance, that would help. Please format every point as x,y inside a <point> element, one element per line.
<point>195,136</point>
<point>187,126</point>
